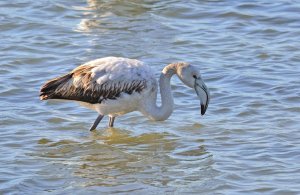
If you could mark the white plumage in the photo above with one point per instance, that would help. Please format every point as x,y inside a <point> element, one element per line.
<point>114,86</point>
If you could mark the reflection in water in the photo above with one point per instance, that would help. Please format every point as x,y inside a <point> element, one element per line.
<point>119,24</point>
<point>117,158</point>
<point>106,14</point>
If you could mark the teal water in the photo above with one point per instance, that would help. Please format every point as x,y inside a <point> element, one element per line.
<point>247,143</point>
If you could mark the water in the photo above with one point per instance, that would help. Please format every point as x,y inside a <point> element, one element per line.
<point>247,143</point>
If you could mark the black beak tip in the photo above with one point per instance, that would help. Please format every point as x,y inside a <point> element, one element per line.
<point>203,109</point>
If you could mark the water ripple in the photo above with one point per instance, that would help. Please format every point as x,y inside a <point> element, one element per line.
<point>248,141</point>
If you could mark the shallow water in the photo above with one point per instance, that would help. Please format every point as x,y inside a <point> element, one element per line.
<point>247,143</point>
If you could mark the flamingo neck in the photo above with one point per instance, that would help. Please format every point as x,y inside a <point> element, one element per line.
<point>162,112</point>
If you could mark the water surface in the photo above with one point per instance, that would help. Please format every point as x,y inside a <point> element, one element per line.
<point>247,143</point>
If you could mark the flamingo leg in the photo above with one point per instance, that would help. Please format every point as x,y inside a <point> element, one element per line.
<point>111,121</point>
<point>97,121</point>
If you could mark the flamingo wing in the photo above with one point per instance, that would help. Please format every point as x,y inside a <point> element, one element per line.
<point>98,80</point>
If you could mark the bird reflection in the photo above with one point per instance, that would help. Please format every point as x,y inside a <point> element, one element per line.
<point>121,136</point>
<point>117,157</point>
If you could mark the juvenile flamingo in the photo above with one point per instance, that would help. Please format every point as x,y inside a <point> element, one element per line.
<point>114,86</point>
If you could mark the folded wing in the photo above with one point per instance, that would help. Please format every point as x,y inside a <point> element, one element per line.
<point>92,84</point>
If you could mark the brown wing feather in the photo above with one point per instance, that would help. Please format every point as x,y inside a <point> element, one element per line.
<point>79,85</point>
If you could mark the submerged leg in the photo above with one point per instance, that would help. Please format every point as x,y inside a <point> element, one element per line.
<point>97,121</point>
<point>111,121</point>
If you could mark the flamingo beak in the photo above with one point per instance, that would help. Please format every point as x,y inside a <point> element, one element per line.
<point>203,94</point>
